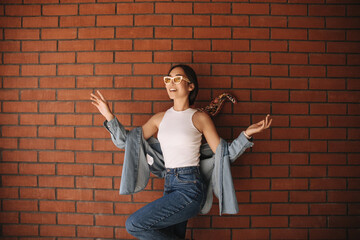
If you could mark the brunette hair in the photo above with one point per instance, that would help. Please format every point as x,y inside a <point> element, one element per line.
<point>191,75</point>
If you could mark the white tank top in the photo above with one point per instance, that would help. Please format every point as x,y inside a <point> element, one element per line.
<point>179,139</point>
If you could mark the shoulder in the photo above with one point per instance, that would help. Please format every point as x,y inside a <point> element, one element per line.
<point>156,118</point>
<point>201,120</point>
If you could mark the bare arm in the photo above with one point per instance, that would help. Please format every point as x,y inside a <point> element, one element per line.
<point>152,125</point>
<point>205,125</point>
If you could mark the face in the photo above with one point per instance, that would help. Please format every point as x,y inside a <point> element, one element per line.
<point>180,90</point>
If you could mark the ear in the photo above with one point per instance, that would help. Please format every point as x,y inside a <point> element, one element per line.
<point>191,86</point>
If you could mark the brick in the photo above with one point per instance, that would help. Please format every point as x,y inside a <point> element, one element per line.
<point>77,21</point>
<point>9,70</point>
<point>20,205</point>
<point>36,119</point>
<point>328,209</point>
<point>74,170</point>
<point>289,9</point>
<point>104,170</point>
<point>38,46</point>
<point>306,121</point>
<point>306,96</point>
<point>37,193</point>
<point>19,106</point>
<point>269,221</point>
<point>95,9</point>
<point>152,44</point>
<point>327,159</point>
<point>94,207</point>
<point>40,22</point>
<point>268,21</point>
<point>75,219</point>
<point>343,47</point>
<point>298,34</point>
<point>121,20</point>
<point>74,194</point>
<point>289,233</point>
<point>191,20</point>
<point>9,46</point>
<point>73,119</point>
<point>37,95</point>
<point>250,8</point>
<point>307,221</point>
<point>230,45</point>
<point>321,34</point>
<point>149,69</point>
<point>251,82</point>
<point>269,70</point>
<point>9,143</point>
<point>38,218</point>
<point>327,133</point>
<point>57,58</point>
<point>94,82</point>
<point>328,233</point>
<point>211,233</point>
<point>268,45</point>
<point>343,196</point>
<point>9,217</point>
<point>205,32</point>
<point>93,182</point>
<point>273,196</point>
<point>336,71</point>
<point>73,144</point>
<point>61,132</point>
<point>59,10</point>
<point>8,168</point>
<point>95,57</point>
<point>112,69</point>
<point>57,107</point>
<point>36,169</point>
<point>327,184</point>
<point>289,184</point>
<point>211,8</point>
<point>173,32</point>
<point>341,22</point>
<point>57,206</point>
<point>152,20</point>
<point>54,230</point>
<point>96,33</point>
<point>14,58</point>
<point>93,157</point>
<point>134,8</point>
<point>230,70</point>
<point>70,33</point>
<point>251,33</point>
<point>174,8</point>
<point>289,209</point>
<point>126,57</point>
<point>21,230</point>
<point>113,45</point>
<point>213,57</point>
<point>273,171</point>
<point>20,82</point>
<point>256,184</point>
<point>109,220</point>
<point>308,196</point>
<point>76,45</point>
<point>269,95</point>
<point>10,22</point>
<point>310,146</point>
<point>224,20</point>
<point>9,94</point>
<point>56,181</point>
<point>230,222</point>
<point>191,44</point>
<point>38,70</point>
<point>22,34</point>
<point>57,82</point>
<point>22,10</point>
<point>290,133</point>
<point>76,69</point>
<point>103,232</point>
<point>8,118</point>
<point>134,32</point>
<point>326,10</point>
<point>306,22</point>
<point>250,234</point>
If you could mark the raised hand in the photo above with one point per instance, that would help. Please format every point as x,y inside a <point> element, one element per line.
<point>259,127</point>
<point>102,105</point>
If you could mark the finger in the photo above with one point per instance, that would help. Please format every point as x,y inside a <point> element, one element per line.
<point>94,96</point>
<point>101,96</point>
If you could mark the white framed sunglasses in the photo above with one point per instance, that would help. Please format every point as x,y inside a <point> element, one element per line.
<point>176,79</point>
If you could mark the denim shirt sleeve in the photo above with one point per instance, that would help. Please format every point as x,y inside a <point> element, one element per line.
<point>238,146</point>
<point>117,131</point>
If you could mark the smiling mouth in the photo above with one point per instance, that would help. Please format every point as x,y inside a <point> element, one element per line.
<point>172,90</point>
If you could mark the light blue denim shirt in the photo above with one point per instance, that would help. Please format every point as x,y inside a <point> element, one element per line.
<point>215,168</point>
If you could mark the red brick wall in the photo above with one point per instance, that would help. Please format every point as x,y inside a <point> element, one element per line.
<point>295,59</point>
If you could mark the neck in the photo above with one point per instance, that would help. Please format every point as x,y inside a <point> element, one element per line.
<point>181,105</point>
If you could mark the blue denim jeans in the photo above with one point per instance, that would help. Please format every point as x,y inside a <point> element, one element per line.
<point>166,217</point>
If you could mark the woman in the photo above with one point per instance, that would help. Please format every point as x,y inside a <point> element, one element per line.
<point>180,131</point>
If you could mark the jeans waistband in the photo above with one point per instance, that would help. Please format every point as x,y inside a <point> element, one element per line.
<point>183,170</point>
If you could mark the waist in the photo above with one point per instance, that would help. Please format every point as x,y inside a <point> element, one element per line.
<point>183,170</point>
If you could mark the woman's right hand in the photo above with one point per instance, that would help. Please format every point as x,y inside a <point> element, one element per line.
<point>102,105</point>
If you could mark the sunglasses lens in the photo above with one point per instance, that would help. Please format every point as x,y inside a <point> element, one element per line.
<point>177,79</point>
<point>167,80</point>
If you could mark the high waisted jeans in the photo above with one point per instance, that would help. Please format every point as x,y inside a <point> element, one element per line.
<point>166,218</point>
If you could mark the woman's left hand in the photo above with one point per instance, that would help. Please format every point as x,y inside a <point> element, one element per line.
<point>258,127</point>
